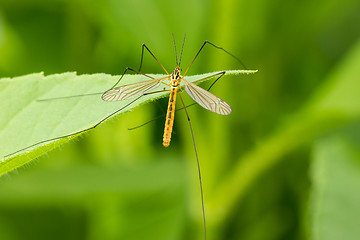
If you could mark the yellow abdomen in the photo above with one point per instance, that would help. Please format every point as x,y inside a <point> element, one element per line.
<point>169,122</point>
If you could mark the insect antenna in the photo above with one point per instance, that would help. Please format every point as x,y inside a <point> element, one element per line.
<point>182,48</point>
<point>177,63</point>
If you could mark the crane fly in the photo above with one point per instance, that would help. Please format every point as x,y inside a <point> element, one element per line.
<point>204,98</point>
<point>177,83</point>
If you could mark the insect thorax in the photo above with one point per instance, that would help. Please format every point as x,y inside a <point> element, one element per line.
<point>176,77</point>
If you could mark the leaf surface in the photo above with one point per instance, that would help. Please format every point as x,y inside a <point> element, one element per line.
<point>26,120</point>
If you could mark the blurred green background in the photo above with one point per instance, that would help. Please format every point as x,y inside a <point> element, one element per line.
<point>284,165</point>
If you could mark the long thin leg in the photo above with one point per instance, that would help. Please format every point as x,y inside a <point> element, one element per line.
<point>127,68</point>
<point>215,47</point>
<point>142,54</point>
<point>58,98</point>
<point>198,166</point>
<point>85,130</point>
<point>141,62</point>
<point>152,120</point>
<point>91,94</point>
<point>219,73</point>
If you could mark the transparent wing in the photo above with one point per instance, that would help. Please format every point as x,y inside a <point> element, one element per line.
<point>131,90</point>
<point>206,99</point>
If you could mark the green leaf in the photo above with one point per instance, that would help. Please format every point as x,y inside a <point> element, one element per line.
<point>26,121</point>
<point>334,205</point>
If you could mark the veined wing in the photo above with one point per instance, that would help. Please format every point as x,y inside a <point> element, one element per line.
<point>206,99</point>
<point>131,90</point>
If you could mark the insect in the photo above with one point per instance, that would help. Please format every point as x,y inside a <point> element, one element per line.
<point>177,83</point>
<point>204,98</point>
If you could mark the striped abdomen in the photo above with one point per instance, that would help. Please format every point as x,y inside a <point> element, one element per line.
<point>170,117</point>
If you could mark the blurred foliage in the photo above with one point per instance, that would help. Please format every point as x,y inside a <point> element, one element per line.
<point>335,200</point>
<point>300,112</point>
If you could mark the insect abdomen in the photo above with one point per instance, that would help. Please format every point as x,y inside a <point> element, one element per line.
<point>169,118</point>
